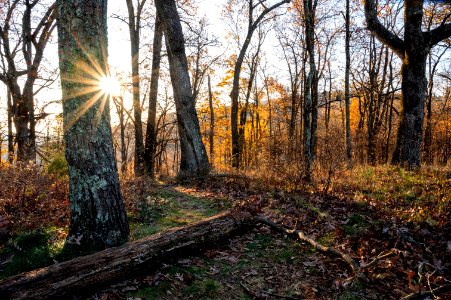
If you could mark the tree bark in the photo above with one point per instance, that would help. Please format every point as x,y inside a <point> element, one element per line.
<point>88,273</point>
<point>194,159</point>
<point>98,218</point>
<point>134,26</point>
<point>151,130</point>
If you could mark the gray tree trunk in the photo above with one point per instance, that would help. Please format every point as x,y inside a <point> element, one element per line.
<point>98,218</point>
<point>194,159</point>
<point>151,130</point>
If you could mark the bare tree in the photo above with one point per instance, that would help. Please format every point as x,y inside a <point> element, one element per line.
<point>413,50</point>
<point>253,23</point>
<point>30,43</point>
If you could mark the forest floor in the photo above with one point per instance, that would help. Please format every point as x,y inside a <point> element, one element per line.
<point>362,213</point>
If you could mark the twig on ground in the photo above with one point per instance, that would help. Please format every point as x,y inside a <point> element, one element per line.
<point>356,268</point>
<point>434,292</point>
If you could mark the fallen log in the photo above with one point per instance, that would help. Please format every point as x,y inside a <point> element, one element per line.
<point>82,274</point>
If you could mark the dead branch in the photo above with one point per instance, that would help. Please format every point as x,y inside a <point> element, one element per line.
<point>356,268</point>
<point>434,292</point>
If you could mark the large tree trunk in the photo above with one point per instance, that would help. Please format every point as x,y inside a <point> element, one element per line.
<point>151,130</point>
<point>98,218</point>
<point>414,86</point>
<point>194,159</point>
<point>89,273</point>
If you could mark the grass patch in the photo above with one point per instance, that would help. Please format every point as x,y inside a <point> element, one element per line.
<point>328,239</point>
<point>166,208</point>
<point>260,242</point>
<point>356,225</point>
<point>204,289</point>
<point>422,196</point>
<point>153,292</point>
<point>290,252</point>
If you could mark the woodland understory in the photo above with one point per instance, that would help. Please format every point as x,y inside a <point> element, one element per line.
<point>364,213</point>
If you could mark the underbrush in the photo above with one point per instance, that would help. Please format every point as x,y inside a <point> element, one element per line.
<point>420,197</point>
<point>364,211</point>
<point>31,199</point>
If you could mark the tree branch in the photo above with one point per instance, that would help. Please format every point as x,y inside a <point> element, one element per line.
<point>439,34</point>
<point>380,31</point>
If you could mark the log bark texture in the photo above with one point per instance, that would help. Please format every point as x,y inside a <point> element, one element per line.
<point>84,274</point>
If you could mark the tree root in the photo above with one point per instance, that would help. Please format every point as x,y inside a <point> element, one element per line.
<point>357,269</point>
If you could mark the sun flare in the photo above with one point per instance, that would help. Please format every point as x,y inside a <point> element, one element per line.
<point>110,86</point>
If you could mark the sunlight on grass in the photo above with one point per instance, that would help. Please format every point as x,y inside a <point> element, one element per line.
<point>166,209</point>
<point>418,196</point>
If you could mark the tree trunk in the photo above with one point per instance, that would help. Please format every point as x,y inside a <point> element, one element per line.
<point>86,274</point>
<point>211,136</point>
<point>311,90</point>
<point>10,127</point>
<point>151,130</point>
<point>414,86</point>
<point>428,157</point>
<point>347,93</point>
<point>134,24</point>
<point>120,110</point>
<point>98,218</point>
<point>194,159</point>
